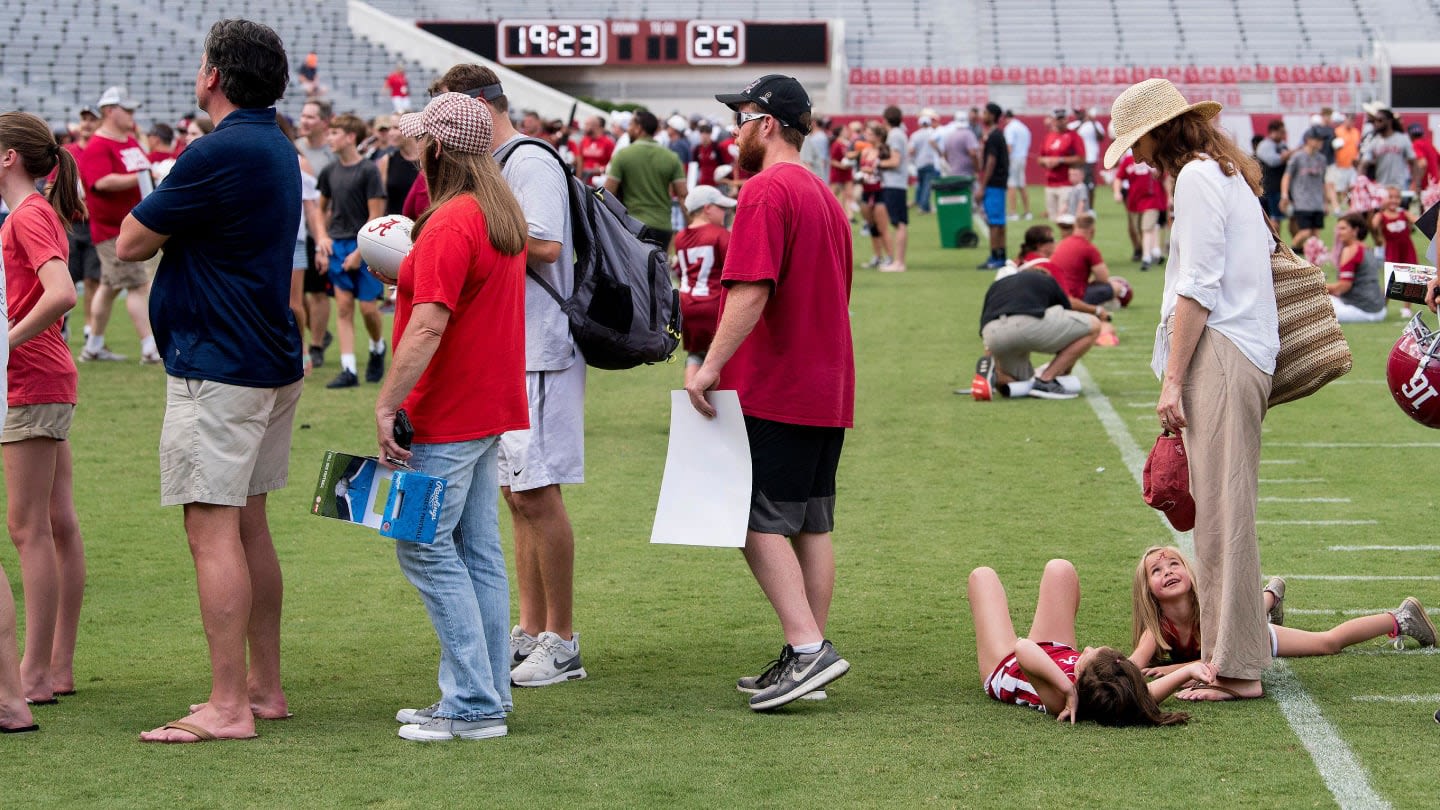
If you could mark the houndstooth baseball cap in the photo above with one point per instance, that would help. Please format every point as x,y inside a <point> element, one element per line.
<point>455,120</point>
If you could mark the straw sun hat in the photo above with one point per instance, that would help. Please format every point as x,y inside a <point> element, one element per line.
<point>1144,106</point>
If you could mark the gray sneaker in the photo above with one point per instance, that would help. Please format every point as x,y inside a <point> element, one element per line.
<point>1414,622</point>
<point>102,354</point>
<point>552,661</point>
<point>754,684</point>
<point>1276,586</point>
<point>799,676</point>
<point>1049,389</point>
<point>444,729</point>
<point>521,645</point>
<point>417,716</point>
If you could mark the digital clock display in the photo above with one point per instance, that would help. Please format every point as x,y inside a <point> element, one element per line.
<point>715,42</point>
<point>553,42</point>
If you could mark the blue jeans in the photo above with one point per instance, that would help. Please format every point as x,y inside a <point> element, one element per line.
<point>461,579</point>
<point>925,175</point>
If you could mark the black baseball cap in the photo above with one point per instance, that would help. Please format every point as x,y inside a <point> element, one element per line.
<point>781,96</point>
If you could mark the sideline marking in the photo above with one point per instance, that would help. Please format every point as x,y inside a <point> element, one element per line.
<point>1396,698</point>
<point>1281,461</point>
<point>1304,500</point>
<point>1356,445</point>
<point>1341,771</point>
<point>1363,578</point>
<point>1383,548</point>
<point>1347,612</point>
<point>1419,651</point>
<point>1316,522</point>
<point>1292,480</point>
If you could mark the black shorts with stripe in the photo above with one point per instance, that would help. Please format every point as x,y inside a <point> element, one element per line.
<point>793,468</point>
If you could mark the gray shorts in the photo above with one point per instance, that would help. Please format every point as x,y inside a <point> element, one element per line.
<point>221,444</point>
<point>552,451</point>
<point>1011,338</point>
<point>1017,174</point>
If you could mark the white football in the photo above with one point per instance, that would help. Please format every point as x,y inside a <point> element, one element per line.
<point>384,243</point>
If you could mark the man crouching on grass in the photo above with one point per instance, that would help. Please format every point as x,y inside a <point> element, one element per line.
<point>783,343</point>
<point>226,216</point>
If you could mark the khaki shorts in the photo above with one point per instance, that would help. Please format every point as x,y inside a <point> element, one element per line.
<point>1055,200</point>
<point>50,420</point>
<point>117,274</point>
<point>221,443</point>
<point>552,451</point>
<point>1011,338</point>
<point>1149,219</point>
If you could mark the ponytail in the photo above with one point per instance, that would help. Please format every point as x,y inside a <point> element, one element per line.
<point>64,194</point>
<point>39,155</point>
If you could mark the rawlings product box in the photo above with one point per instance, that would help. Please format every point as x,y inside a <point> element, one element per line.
<point>1406,282</point>
<point>352,487</point>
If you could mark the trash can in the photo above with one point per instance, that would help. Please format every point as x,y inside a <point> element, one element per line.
<point>954,198</point>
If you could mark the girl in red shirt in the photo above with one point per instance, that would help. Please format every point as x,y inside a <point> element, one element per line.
<point>1166,619</point>
<point>1051,673</point>
<point>1392,226</point>
<point>41,398</point>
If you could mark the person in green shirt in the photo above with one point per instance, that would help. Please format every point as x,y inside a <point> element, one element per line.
<point>646,176</point>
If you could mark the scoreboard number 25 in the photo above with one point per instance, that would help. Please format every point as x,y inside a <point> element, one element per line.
<point>715,42</point>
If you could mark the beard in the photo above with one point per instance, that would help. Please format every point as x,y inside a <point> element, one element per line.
<point>752,155</point>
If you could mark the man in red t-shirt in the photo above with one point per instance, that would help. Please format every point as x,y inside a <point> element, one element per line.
<point>399,88</point>
<point>708,156</point>
<point>1081,271</point>
<point>595,149</point>
<point>699,259</point>
<point>1427,159</point>
<point>1060,149</point>
<point>84,261</point>
<point>784,346</point>
<point>111,167</point>
<point>1142,190</point>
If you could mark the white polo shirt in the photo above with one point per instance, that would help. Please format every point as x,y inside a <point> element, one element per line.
<point>1220,258</point>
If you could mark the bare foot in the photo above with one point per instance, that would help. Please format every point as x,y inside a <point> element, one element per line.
<point>1222,689</point>
<point>273,711</point>
<point>15,715</point>
<point>202,726</point>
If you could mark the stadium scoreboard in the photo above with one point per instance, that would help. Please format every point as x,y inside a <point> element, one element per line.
<point>639,43</point>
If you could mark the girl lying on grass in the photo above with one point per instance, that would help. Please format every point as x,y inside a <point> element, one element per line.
<point>1097,683</point>
<point>1167,622</point>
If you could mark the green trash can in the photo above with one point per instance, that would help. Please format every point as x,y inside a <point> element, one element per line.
<point>954,198</point>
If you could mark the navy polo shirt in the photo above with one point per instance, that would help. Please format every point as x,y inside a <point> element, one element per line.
<point>220,302</point>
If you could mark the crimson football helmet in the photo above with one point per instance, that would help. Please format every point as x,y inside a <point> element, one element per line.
<point>1413,373</point>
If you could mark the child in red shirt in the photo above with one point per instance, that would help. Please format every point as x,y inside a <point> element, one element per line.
<point>699,260</point>
<point>1392,226</point>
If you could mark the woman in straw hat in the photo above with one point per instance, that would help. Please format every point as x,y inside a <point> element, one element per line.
<point>1215,353</point>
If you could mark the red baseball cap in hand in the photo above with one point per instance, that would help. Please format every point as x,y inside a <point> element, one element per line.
<point>1167,481</point>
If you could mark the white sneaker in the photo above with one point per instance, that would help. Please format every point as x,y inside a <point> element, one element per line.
<point>521,645</point>
<point>552,661</point>
<point>417,716</point>
<point>103,353</point>
<point>444,729</point>
<point>150,358</point>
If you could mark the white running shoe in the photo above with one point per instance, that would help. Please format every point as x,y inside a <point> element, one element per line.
<point>552,661</point>
<point>521,645</point>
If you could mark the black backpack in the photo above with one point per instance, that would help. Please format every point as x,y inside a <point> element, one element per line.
<point>623,311</point>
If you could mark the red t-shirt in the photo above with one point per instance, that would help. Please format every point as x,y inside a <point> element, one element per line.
<point>838,150</point>
<point>595,153</point>
<point>1071,262</point>
<point>709,157</point>
<point>1061,144</point>
<point>798,364</point>
<point>417,199</point>
<point>1425,149</point>
<point>699,261</point>
<point>1395,228</point>
<point>41,369</point>
<point>158,155</point>
<point>104,157</point>
<point>466,392</point>
<point>1147,191</point>
<point>398,84</point>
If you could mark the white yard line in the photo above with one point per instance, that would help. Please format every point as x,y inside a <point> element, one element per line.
<point>1383,548</point>
<point>1361,578</point>
<point>1316,522</point>
<point>1304,500</point>
<point>1346,612</point>
<point>1396,698</point>
<point>1338,766</point>
<point>1277,481</point>
<point>1357,445</point>
<point>1281,461</point>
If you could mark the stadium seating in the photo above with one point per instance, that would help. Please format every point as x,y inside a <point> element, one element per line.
<point>63,53</point>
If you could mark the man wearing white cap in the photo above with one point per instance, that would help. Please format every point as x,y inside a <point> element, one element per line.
<point>110,168</point>
<point>699,259</point>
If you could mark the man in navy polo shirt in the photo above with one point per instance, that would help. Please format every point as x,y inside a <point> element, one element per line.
<point>226,216</point>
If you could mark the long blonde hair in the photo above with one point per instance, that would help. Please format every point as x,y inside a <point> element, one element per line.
<point>1145,616</point>
<point>1192,136</point>
<point>452,174</point>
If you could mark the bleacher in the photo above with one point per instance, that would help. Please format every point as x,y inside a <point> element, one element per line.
<point>63,53</point>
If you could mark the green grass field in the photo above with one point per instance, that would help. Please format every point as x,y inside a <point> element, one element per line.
<point>931,485</point>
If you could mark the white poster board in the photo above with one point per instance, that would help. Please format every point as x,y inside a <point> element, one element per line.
<point>705,494</point>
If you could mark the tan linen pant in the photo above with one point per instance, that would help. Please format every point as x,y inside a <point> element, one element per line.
<point>1224,397</point>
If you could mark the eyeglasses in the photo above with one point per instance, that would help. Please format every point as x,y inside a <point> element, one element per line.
<point>743,118</point>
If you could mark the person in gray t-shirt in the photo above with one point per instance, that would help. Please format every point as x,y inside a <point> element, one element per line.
<point>895,183</point>
<point>1302,190</point>
<point>1390,153</point>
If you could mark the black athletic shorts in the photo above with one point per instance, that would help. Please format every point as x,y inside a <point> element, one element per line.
<point>1309,220</point>
<point>315,281</point>
<point>793,467</point>
<point>896,205</point>
<point>84,261</point>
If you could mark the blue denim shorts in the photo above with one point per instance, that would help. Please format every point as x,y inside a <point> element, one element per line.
<point>358,283</point>
<point>995,206</point>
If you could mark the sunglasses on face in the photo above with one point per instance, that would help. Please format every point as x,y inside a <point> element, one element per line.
<point>743,118</point>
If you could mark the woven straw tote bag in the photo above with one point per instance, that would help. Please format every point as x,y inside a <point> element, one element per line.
<point>1313,350</point>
